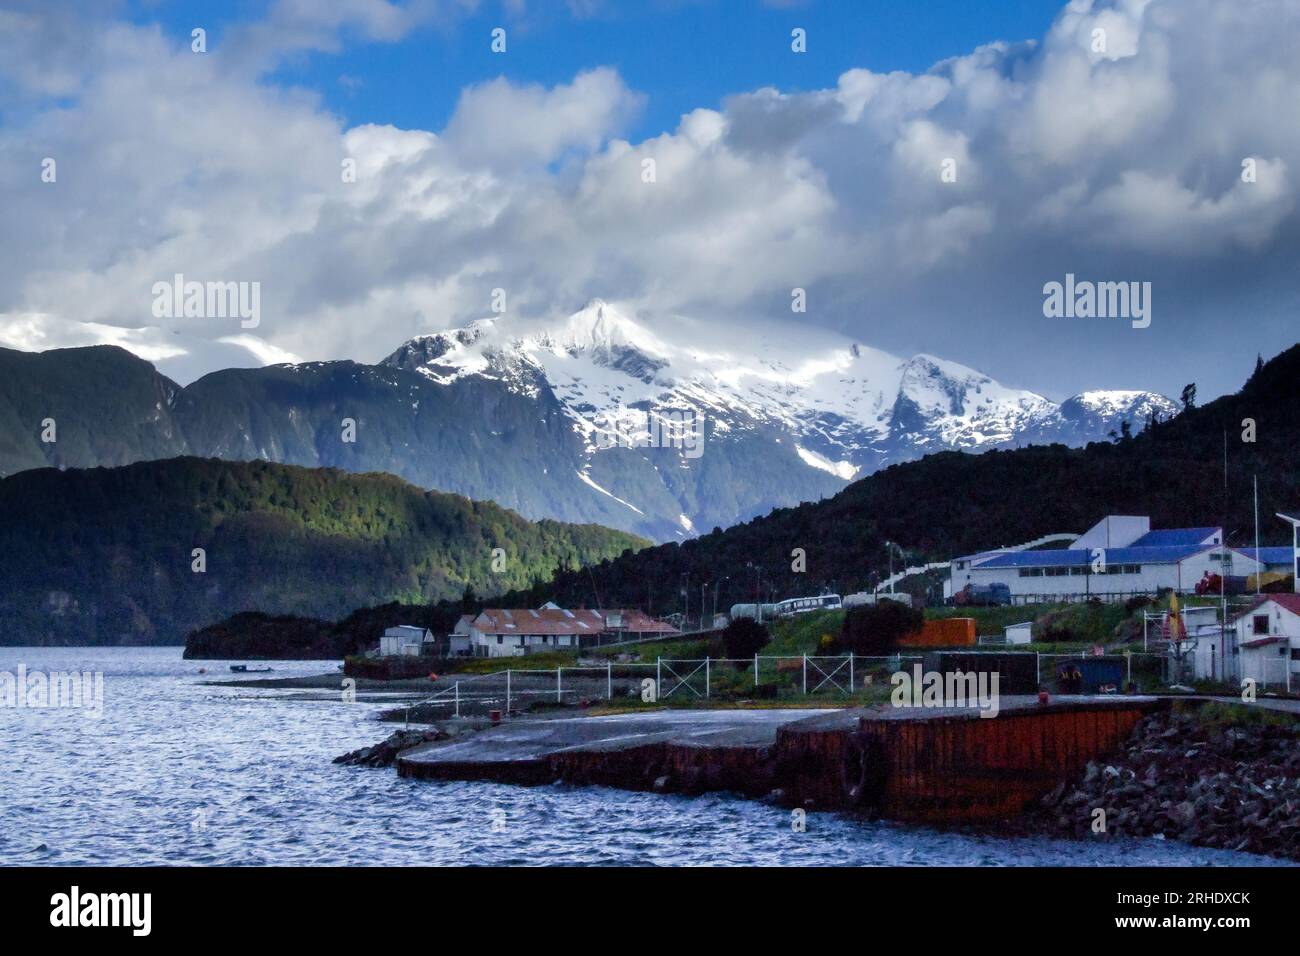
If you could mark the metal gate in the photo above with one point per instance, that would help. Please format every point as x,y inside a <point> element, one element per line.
<point>693,675</point>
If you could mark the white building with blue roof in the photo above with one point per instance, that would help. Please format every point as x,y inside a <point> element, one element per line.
<point>1117,558</point>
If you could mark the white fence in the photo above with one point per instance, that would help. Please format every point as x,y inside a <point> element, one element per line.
<point>697,677</point>
<point>703,678</point>
<point>1271,673</point>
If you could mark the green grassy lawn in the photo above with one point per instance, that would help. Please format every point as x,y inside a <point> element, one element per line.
<point>548,660</point>
<point>680,650</point>
<point>1058,629</point>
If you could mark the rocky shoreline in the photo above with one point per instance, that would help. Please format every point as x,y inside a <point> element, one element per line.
<point>1219,775</point>
<point>384,753</point>
<point>1222,777</point>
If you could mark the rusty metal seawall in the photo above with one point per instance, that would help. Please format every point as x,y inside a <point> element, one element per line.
<point>962,768</point>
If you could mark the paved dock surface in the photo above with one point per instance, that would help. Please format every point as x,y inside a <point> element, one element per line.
<point>525,741</point>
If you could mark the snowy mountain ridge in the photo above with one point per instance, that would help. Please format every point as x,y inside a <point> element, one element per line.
<point>848,409</point>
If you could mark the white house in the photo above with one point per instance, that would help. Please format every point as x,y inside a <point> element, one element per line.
<point>1117,558</point>
<point>1268,640</point>
<point>405,639</point>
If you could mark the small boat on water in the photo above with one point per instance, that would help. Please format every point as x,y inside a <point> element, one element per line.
<point>245,669</point>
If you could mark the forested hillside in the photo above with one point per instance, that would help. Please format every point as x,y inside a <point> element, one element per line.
<point>106,555</point>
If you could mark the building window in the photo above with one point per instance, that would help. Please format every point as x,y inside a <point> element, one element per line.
<point>500,639</point>
<point>1295,653</point>
<point>1260,624</point>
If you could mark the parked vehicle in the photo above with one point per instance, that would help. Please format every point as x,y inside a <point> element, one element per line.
<point>987,595</point>
<point>792,606</point>
<point>759,612</point>
<point>1213,584</point>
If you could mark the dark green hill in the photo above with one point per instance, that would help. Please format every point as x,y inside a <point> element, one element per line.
<point>104,555</point>
<point>109,408</point>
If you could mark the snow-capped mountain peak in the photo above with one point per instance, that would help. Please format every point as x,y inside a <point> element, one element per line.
<point>600,327</point>
<point>843,408</point>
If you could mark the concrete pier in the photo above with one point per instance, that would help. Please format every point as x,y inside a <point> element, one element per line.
<point>939,765</point>
<point>686,750</point>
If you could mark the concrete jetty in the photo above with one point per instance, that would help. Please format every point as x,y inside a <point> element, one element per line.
<point>945,764</point>
<point>686,750</point>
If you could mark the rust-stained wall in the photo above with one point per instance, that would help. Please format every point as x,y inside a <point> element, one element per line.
<point>685,769</point>
<point>972,769</point>
<point>807,767</point>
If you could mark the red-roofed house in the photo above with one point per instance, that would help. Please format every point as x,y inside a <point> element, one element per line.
<point>498,632</point>
<point>1268,639</point>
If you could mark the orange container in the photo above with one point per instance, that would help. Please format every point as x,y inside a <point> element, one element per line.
<point>943,632</point>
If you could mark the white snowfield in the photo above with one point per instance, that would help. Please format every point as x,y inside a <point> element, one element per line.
<point>846,407</point>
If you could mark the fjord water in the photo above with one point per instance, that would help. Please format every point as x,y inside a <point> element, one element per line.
<point>177,772</point>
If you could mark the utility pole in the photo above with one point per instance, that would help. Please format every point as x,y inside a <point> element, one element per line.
<point>1258,563</point>
<point>686,599</point>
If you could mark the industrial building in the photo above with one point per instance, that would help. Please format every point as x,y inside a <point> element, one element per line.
<point>1117,558</point>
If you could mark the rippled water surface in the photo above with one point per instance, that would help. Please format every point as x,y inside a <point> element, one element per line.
<point>178,772</point>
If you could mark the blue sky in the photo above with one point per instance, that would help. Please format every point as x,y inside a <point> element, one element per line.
<point>681,55</point>
<point>522,171</point>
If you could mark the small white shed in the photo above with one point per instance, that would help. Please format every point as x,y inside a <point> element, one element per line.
<point>1022,633</point>
<point>403,640</point>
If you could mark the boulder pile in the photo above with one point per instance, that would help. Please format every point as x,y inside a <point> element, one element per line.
<point>384,753</point>
<point>1231,785</point>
